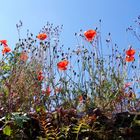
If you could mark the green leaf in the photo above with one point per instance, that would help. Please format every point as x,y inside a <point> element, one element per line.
<point>6,68</point>
<point>19,120</point>
<point>7,130</point>
<point>38,109</point>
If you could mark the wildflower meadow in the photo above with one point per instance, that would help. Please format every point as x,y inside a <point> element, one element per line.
<point>48,92</point>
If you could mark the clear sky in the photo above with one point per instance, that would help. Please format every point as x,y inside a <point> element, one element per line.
<point>116,16</point>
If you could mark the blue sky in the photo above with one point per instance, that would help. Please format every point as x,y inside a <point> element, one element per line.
<point>116,16</point>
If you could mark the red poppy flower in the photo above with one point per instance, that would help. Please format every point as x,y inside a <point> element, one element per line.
<point>129,59</point>
<point>90,34</point>
<point>47,91</point>
<point>40,77</point>
<point>130,52</point>
<point>3,42</point>
<point>40,73</point>
<point>23,56</point>
<point>6,49</point>
<point>42,36</point>
<point>62,65</point>
<point>80,98</point>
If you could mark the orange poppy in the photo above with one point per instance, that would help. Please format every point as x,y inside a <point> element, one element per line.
<point>3,42</point>
<point>42,36</point>
<point>90,34</point>
<point>130,52</point>
<point>6,49</point>
<point>129,59</point>
<point>23,56</point>
<point>62,65</point>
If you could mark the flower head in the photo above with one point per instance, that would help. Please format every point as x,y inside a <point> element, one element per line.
<point>130,52</point>
<point>23,56</point>
<point>47,91</point>
<point>129,59</point>
<point>80,98</point>
<point>3,42</point>
<point>130,55</point>
<point>42,36</point>
<point>40,76</point>
<point>6,49</point>
<point>62,65</point>
<point>90,34</point>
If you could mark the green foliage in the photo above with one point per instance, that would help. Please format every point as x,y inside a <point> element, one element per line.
<point>19,119</point>
<point>80,128</point>
<point>7,130</point>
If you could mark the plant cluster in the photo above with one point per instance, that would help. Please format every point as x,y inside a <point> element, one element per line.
<point>39,76</point>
